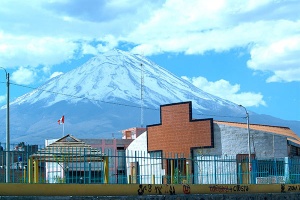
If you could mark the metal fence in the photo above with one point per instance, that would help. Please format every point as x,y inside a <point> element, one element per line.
<point>18,156</point>
<point>82,166</point>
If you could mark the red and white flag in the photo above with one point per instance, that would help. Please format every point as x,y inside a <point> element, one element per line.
<point>61,120</point>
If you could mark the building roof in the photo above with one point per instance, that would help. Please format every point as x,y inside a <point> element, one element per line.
<point>98,142</point>
<point>68,148</point>
<point>279,130</point>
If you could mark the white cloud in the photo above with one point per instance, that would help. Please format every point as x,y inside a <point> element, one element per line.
<point>23,76</point>
<point>89,49</point>
<point>223,88</point>
<point>56,74</point>
<point>34,51</point>
<point>50,32</point>
<point>268,28</point>
<point>110,42</point>
<point>281,57</point>
<point>2,98</point>
<point>285,75</point>
<point>107,43</point>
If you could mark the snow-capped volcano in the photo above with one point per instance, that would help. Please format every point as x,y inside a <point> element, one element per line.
<point>117,75</point>
<point>103,96</point>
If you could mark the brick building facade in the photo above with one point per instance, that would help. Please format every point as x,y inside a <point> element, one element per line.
<point>178,132</point>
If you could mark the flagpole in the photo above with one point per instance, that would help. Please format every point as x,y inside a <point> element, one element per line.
<point>62,121</point>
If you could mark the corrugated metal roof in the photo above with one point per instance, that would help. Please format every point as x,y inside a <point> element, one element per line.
<point>68,148</point>
<point>280,130</point>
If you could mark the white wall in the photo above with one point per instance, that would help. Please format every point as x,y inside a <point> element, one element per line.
<point>137,152</point>
<point>230,141</point>
<point>234,141</point>
<point>54,171</point>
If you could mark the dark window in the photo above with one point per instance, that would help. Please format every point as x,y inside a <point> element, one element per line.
<point>155,154</point>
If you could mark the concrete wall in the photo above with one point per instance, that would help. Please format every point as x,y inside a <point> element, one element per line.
<point>268,196</point>
<point>231,141</point>
<point>290,196</point>
<point>143,190</point>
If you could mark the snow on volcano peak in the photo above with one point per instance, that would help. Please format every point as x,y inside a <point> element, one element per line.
<point>117,75</point>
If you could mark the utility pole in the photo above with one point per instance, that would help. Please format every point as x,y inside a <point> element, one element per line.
<point>7,169</point>
<point>142,97</point>
<point>249,147</point>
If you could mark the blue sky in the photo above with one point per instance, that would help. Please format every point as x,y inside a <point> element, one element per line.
<point>244,51</point>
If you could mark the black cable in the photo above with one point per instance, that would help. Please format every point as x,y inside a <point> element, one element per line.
<point>114,103</point>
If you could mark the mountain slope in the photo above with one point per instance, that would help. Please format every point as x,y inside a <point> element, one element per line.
<point>103,96</point>
<point>117,74</point>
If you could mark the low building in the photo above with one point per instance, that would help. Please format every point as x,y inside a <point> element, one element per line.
<point>207,151</point>
<point>70,160</point>
<point>132,133</point>
<point>114,149</point>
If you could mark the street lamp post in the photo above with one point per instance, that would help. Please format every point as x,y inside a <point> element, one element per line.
<point>7,175</point>
<point>249,147</point>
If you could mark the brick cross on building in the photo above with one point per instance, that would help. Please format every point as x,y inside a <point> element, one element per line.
<point>178,132</point>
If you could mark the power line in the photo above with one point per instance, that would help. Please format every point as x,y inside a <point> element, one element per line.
<point>115,103</point>
<point>74,96</point>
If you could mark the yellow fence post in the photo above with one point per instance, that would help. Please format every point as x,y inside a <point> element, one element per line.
<point>106,169</point>
<point>129,179</point>
<point>172,171</point>
<point>153,179</point>
<point>36,171</point>
<point>187,171</point>
<point>30,172</point>
<point>24,174</point>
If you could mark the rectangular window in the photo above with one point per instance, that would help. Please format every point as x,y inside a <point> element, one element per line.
<point>155,154</point>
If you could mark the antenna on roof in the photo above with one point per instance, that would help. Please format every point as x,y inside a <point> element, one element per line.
<point>142,98</point>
